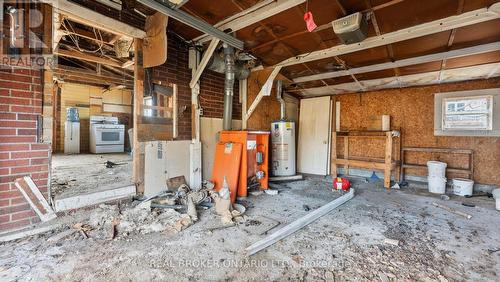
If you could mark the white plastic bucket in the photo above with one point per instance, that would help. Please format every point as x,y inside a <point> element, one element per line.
<point>437,185</point>
<point>462,186</point>
<point>436,168</point>
<point>496,195</point>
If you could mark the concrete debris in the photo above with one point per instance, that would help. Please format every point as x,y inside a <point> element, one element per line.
<point>444,197</point>
<point>396,186</point>
<point>346,244</point>
<point>256,193</point>
<point>271,192</point>
<point>391,242</point>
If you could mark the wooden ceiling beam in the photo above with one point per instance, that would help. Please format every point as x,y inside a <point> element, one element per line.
<point>485,48</point>
<point>84,34</point>
<point>449,23</point>
<point>87,57</point>
<point>89,17</point>
<point>428,78</point>
<point>326,25</point>
<point>253,15</point>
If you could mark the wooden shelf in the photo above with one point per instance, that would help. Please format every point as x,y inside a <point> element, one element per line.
<point>467,171</point>
<point>386,164</point>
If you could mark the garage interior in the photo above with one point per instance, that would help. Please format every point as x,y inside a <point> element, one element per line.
<point>310,140</point>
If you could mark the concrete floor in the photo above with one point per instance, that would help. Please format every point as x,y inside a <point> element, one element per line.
<point>84,173</point>
<point>344,245</point>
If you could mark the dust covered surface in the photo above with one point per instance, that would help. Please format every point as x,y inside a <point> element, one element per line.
<point>85,173</point>
<point>344,245</point>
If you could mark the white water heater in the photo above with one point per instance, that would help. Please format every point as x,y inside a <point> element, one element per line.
<point>283,146</point>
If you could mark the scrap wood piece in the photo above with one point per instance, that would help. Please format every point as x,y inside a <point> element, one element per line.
<point>457,212</point>
<point>298,224</point>
<point>83,228</point>
<point>61,235</point>
<point>174,183</point>
<point>35,198</point>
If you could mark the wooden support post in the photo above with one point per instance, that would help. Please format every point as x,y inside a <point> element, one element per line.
<point>264,91</point>
<point>346,154</point>
<point>243,94</point>
<point>334,154</point>
<point>174,112</point>
<point>138,160</point>
<point>388,159</point>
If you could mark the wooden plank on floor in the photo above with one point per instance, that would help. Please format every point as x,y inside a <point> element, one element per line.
<point>35,198</point>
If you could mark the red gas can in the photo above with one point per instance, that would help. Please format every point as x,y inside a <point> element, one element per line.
<point>340,183</point>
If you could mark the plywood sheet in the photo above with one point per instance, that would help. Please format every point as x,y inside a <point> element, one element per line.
<point>412,110</point>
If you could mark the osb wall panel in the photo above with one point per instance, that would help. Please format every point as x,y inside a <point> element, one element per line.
<point>412,111</point>
<point>268,109</point>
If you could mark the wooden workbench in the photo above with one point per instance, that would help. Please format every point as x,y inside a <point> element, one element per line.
<point>386,164</point>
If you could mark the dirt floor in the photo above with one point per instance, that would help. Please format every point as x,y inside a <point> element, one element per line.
<point>84,173</point>
<point>344,245</point>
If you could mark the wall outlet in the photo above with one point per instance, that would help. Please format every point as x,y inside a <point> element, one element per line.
<point>201,111</point>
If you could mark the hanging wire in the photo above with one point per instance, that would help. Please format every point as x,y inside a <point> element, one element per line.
<point>74,38</point>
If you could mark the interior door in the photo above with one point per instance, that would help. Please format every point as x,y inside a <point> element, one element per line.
<point>314,132</point>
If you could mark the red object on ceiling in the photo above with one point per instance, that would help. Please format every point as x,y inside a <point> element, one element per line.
<point>308,18</point>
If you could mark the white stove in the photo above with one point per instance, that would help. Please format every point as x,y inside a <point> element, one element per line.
<point>106,135</point>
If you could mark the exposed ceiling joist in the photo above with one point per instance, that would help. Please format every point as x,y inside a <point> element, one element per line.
<point>450,75</point>
<point>406,62</point>
<point>83,34</point>
<point>89,17</point>
<point>83,75</point>
<point>462,20</point>
<point>258,12</point>
<point>193,22</point>
<point>88,57</point>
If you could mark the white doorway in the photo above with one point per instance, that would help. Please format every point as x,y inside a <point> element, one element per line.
<point>314,136</point>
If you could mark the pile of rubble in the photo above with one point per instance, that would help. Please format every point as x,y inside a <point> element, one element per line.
<point>169,212</point>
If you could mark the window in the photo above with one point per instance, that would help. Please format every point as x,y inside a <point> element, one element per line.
<point>148,101</point>
<point>468,113</point>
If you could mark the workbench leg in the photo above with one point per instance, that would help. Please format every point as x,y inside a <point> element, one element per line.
<point>388,160</point>
<point>346,154</point>
<point>334,155</point>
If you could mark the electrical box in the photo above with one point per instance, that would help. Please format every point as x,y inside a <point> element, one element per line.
<point>351,29</point>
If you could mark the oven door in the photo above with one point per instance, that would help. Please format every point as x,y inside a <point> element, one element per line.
<point>109,136</point>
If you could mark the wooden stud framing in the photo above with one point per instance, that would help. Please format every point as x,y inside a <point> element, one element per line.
<point>243,95</point>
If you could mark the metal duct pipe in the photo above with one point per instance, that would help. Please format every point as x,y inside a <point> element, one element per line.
<point>279,95</point>
<point>217,63</point>
<point>228,86</point>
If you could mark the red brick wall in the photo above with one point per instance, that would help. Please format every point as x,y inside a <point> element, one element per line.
<point>176,70</point>
<point>20,154</point>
